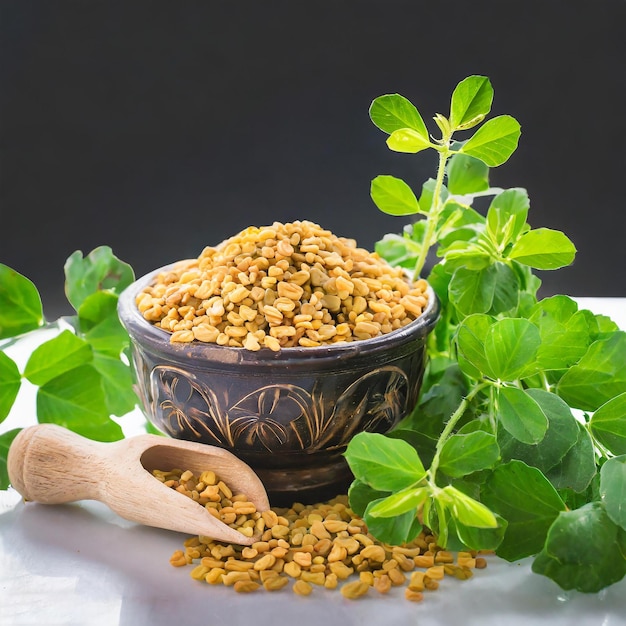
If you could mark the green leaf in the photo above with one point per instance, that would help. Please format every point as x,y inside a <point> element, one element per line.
<point>100,324</point>
<point>20,304</point>
<point>10,383</point>
<point>598,377</point>
<point>481,538</point>
<point>543,249</point>
<point>584,550</point>
<point>467,175</point>
<point>472,291</point>
<point>613,489</point>
<point>392,112</point>
<point>360,495</point>
<point>506,216</point>
<point>470,339</point>
<point>76,401</point>
<point>466,510</point>
<point>398,250</point>
<point>608,424</point>
<point>561,436</point>
<point>511,348</point>
<point>521,416</point>
<point>57,356</point>
<point>393,196</point>
<point>408,499</point>
<point>464,454</point>
<point>526,499</point>
<point>384,463</point>
<point>408,141</point>
<point>396,530</point>
<point>117,384</point>
<point>578,467</point>
<point>471,102</point>
<point>565,332</point>
<point>6,439</point>
<point>466,255</point>
<point>506,292</point>
<point>495,141</point>
<point>437,404</point>
<point>100,270</point>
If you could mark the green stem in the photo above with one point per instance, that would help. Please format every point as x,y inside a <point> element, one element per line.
<point>447,431</point>
<point>435,210</point>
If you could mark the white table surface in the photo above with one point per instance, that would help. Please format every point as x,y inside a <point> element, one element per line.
<point>82,564</point>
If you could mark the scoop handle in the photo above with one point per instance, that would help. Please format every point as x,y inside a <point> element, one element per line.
<point>53,465</point>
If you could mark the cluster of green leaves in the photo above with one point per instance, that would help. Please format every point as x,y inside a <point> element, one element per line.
<point>518,442</point>
<point>82,372</point>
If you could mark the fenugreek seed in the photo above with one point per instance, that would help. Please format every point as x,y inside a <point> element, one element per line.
<point>430,583</point>
<point>396,576</point>
<point>210,562</point>
<point>235,565</point>
<point>292,569</point>
<point>374,553</point>
<point>481,563</point>
<point>279,531</point>
<point>266,574</point>
<point>315,578</point>
<point>265,562</point>
<point>404,562</point>
<point>302,588</point>
<point>331,581</point>
<point>416,582</point>
<point>275,583</point>
<point>249,553</point>
<point>231,577</point>
<point>215,576</point>
<point>323,547</point>
<point>178,559</point>
<point>246,586</point>
<point>363,539</point>
<point>303,559</point>
<point>354,590</point>
<point>337,553</point>
<point>443,556</point>
<point>382,584</point>
<point>182,336</point>
<point>424,560</point>
<point>341,570</point>
<point>436,572</point>
<point>413,595</point>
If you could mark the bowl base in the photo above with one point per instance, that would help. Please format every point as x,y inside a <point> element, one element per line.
<point>307,485</point>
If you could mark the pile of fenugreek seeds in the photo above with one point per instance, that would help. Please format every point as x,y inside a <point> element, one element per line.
<point>283,285</point>
<point>324,545</point>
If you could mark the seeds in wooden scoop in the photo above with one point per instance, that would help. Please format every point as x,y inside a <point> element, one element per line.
<point>234,510</point>
<point>325,546</point>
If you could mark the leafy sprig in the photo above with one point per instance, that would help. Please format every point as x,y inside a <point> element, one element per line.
<point>518,442</point>
<point>82,373</point>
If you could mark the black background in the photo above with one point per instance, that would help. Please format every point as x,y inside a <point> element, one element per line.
<point>160,127</point>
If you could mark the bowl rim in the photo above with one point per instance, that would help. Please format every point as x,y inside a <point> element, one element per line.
<point>158,338</point>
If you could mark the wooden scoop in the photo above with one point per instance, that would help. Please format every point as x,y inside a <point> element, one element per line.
<point>53,465</point>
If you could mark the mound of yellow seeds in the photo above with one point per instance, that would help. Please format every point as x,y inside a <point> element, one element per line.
<point>327,546</point>
<point>284,285</point>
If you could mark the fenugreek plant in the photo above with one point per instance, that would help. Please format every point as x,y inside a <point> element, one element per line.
<point>79,364</point>
<point>518,442</point>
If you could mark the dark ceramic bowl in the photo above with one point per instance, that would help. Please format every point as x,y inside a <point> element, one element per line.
<point>288,414</point>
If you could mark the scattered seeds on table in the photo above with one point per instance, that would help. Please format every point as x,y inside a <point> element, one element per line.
<point>323,546</point>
